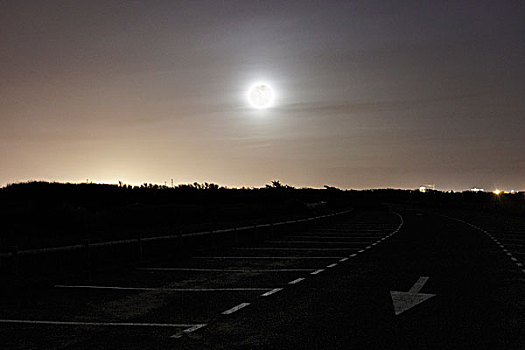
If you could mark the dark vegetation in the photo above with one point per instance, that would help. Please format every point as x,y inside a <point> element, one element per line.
<point>42,214</point>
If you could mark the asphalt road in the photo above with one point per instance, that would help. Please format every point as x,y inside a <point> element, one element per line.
<point>375,280</point>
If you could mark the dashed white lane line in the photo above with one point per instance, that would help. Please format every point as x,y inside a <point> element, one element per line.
<point>188,330</point>
<point>343,260</point>
<point>273,291</point>
<point>516,261</point>
<point>162,289</point>
<point>316,272</point>
<point>362,250</point>
<point>353,255</point>
<point>296,280</point>
<point>235,308</point>
<point>219,270</point>
<point>331,265</point>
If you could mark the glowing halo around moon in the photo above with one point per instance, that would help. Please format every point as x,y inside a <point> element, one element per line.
<point>261,96</point>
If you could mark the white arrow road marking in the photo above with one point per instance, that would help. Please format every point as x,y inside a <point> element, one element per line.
<point>406,300</point>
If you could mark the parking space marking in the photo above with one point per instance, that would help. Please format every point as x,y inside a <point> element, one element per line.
<point>112,324</point>
<point>341,239</point>
<point>273,291</point>
<point>334,237</point>
<point>289,248</point>
<point>235,308</point>
<point>317,242</point>
<point>352,229</point>
<point>162,289</point>
<point>219,270</point>
<point>512,240</point>
<point>296,280</point>
<point>268,257</point>
<point>190,327</point>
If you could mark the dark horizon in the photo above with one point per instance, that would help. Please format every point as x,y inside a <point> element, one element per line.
<point>268,184</point>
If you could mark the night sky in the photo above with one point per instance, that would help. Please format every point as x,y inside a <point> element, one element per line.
<point>368,94</point>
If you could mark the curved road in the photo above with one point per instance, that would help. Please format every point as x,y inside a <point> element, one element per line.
<point>363,283</point>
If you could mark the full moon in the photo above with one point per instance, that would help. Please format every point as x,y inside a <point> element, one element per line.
<point>261,96</point>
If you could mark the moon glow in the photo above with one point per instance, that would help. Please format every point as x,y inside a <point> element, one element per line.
<point>261,96</point>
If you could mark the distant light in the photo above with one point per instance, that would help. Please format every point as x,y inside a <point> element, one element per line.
<point>496,192</point>
<point>422,189</point>
<point>475,189</point>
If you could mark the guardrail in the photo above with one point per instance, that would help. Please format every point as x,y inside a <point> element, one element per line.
<point>139,240</point>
